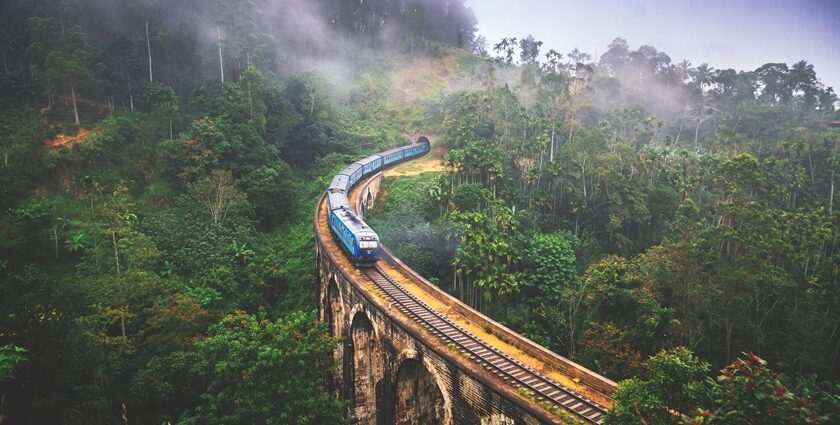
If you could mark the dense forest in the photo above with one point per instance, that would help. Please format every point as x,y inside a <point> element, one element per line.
<point>161,162</point>
<point>665,224</point>
<point>629,208</point>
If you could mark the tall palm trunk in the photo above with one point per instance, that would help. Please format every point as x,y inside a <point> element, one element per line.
<point>149,50</point>
<point>130,94</point>
<point>119,279</point>
<point>221,60</point>
<point>75,107</point>
<point>831,195</point>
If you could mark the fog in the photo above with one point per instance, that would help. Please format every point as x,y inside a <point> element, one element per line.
<point>727,34</point>
<point>328,37</point>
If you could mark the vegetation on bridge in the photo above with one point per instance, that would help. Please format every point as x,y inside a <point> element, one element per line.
<point>161,162</point>
<point>159,174</point>
<point>630,207</point>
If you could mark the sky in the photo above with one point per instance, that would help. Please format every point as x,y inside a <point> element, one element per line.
<point>739,34</point>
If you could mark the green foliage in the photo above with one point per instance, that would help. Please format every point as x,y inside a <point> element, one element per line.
<point>407,219</point>
<point>158,96</point>
<point>217,195</point>
<point>490,251</point>
<point>470,196</point>
<point>245,356</point>
<point>271,190</point>
<point>676,383</point>
<point>679,391</point>
<point>705,218</point>
<point>553,262</point>
<point>747,392</point>
<point>10,357</point>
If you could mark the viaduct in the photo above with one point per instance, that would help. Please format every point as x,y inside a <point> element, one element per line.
<point>410,354</point>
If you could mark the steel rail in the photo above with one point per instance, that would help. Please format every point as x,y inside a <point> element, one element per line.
<point>512,371</point>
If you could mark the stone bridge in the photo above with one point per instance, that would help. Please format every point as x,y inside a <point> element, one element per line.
<point>392,371</point>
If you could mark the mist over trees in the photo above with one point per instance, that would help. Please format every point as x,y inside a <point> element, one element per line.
<point>693,206</point>
<point>653,220</point>
<point>125,44</point>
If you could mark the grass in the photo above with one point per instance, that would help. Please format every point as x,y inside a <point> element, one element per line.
<point>566,417</point>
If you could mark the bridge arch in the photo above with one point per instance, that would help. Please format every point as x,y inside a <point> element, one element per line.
<point>334,308</point>
<point>369,200</point>
<point>366,368</point>
<point>418,399</point>
<point>420,381</point>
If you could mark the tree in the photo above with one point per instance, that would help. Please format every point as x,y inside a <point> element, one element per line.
<point>145,11</point>
<point>748,392</point>
<point>117,264</point>
<point>676,382</point>
<point>678,391</point>
<point>553,263</point>
<point>703,76</point>
<point>218,194</point>
<point>265,371</point>
<point>10,357</point>
<point>488,255</point>
<point>507,47</point>
<point>64,55</point>
<point>251,86</point>
<point>802,80</point>
<point>47,216</point>
<point>529,50</point>
<point>616,56</point>
<point>271,191</point>
<point>162,100</point>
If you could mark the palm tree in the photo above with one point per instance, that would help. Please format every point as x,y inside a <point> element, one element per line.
<point>703,76</point>
<point>802,81</point>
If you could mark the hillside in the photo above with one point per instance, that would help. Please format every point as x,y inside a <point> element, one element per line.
<point>668,225</point>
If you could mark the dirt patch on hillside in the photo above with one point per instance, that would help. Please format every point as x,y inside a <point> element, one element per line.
<point>428,164</point>
<point>431,163</point>
<point>67,141</point>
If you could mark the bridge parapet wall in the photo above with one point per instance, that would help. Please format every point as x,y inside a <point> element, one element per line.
<point>553,360</point>
<point>391,371</point>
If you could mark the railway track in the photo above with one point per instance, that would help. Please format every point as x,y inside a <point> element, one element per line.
<point>500,364</point>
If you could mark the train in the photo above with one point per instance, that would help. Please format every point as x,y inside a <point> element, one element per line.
<point>351,232</point>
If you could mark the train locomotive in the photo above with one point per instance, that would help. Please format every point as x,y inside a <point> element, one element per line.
<point>351,232</point>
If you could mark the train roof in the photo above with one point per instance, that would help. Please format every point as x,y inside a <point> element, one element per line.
<point>390,151</point>
<point>352,168</point>
<point>369,159</point>
<point>337,200</point>
<point>340,181</point>
<point>354,223</point>
<point>414,145</point>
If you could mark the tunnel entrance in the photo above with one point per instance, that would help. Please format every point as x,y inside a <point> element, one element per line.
<point>418,400</point>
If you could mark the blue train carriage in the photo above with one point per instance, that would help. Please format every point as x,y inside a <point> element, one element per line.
<point>355,236</point>
<point>370,164</point>
<point>392,156</point>
<point>353,173</point>
<point>419,148</point>
<point>337,201</point>
<point>340,184</point>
